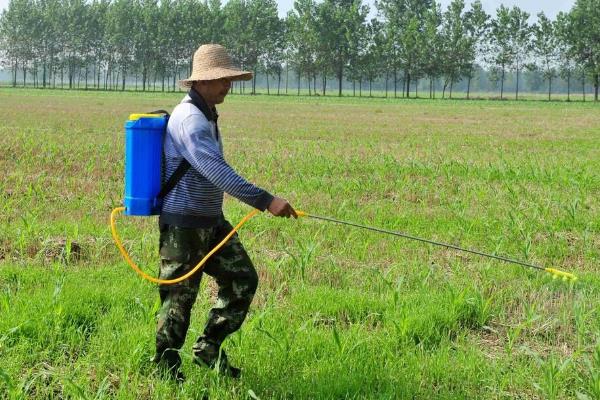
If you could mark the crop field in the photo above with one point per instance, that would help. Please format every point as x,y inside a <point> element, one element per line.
<point>340,313</point>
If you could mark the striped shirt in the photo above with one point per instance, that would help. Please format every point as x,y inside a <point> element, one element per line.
<point>197,199</point>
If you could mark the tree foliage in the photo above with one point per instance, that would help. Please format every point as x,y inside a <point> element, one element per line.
<point>108,44</point>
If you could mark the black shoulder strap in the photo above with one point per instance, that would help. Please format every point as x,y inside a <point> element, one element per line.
<point>182,168</point>
<point>174,179</point>
<point>160,112</point>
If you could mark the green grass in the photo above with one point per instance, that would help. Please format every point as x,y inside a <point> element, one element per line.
<point>339,313</point>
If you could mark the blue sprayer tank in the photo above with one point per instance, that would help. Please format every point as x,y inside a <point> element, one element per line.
<point>144,135</point>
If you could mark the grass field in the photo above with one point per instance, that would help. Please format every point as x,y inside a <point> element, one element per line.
<point>340,312</point>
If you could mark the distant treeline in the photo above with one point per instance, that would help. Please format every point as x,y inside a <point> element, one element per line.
<point>106,44</point>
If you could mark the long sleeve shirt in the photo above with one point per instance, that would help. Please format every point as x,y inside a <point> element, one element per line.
<point>197,199</point>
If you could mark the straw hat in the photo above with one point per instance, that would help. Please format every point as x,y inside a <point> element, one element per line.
<point>211,62</point>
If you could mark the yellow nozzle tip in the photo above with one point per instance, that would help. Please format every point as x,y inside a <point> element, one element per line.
<point>300,213</point>
<point>565,276</point>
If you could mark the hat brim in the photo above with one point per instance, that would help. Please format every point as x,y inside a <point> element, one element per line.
<point>214,74</point>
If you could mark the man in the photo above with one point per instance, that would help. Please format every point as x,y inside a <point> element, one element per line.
<point>192,221</point>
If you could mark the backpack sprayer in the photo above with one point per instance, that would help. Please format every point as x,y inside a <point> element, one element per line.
<point>144,135</point>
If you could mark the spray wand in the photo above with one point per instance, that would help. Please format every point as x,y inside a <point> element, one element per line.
<point>556,273</point>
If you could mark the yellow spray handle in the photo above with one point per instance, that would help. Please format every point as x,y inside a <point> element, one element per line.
<point>556,273</point>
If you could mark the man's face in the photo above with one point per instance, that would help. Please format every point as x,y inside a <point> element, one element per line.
<point>214,91</point>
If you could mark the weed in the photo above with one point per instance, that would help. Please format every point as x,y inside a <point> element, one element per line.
<point>304,257</point>
<point>552,370</point>
<point>590,379</point>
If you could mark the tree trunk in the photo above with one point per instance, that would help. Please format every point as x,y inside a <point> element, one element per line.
<point>430,87</point>
<point>53,73</point>
<point>340,76</point>
<point>451,86</point>
<point>278,80</point>
<point>395,83</point>
<point>360,87</point>
<point>287,70</point>
<point>502,83</point>
<point>583,85</point>
<point>298,83</point>
<point>517,89</point>
<point>386,83</point>
<point>469,87</point>
<point>44,74</point>
<point>268,92</point>
<point>549,88</point>
<point>353,88</point>
<point>106,75</point>
<point>16,67</point>
<point>568,86</point>
<point>324,83</point>
<point>407,81</point>
<point>174,75</point>
<point>596,83</point>
<point>70,74</point>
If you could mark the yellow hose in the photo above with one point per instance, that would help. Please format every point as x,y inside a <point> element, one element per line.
<point>144,275</point>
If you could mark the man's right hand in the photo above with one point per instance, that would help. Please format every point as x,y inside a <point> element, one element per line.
<point>281,208</point>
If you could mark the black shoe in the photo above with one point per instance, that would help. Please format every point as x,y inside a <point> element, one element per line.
<point>176,376</point>
<point>169,368</point>
<point>234,372</point>
<point>208,354</point>
<point>224,367</point>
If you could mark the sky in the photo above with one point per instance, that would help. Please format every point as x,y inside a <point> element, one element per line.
<point>550,7</point>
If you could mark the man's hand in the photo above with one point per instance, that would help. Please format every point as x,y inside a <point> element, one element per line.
<point>281,208</point>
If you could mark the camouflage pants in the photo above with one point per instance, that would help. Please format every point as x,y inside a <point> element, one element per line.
<point>180,250</point>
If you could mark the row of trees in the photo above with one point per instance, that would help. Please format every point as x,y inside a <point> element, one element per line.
<point>105,43</point>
